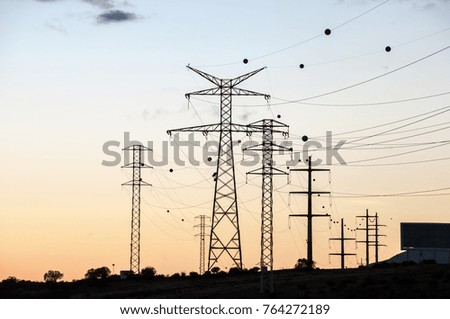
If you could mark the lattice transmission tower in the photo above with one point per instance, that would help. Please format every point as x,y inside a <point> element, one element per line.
<point>136,165</point>
<point>267,171</point>
<point>202,236</point>
<point>225,233</point>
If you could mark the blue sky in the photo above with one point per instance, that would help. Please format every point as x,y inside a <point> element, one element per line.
<point>75,74</point>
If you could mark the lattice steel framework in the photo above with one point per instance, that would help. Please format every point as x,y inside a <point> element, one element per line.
<point>267,147</point>
<point>225,233</point>
<point>202,236</point>
<point>136,165</point>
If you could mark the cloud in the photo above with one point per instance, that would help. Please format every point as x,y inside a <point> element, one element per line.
<point>56,26</point>
<point>116,16</point>
<point>104,4</point>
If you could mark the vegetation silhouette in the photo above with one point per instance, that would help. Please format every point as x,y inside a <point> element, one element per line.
<point>148,272</point>
<point>98,273</point>
<point>302,264</point>
<point>53,276</point>
<point>388,280</point>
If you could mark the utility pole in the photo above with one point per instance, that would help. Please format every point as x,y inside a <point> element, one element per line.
<point>267,171</point>
<point>202,235</point>
<point>374,227</point>
<point>225,233</point>
<point>310,214</point>
<point>342,239</point>
<point>366,229</point>
<point>376,242</point>
<point>136,183</point>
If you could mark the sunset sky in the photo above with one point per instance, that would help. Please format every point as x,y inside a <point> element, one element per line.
<point>76,74</point>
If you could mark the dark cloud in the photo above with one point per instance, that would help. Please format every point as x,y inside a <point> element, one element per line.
<point>116,16</point>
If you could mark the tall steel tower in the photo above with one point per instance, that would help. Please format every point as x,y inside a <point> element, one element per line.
<point>267,171</point>
<point>202,236</point>
<point>225,234</point>
<point>136,183</point>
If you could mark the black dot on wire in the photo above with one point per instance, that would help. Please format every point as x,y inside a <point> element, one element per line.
<point>279,116</point>
<point>304,138</point>
<point>327,31</point>
<point>168,211</point>
<point>171,170</point>
<point>388,49</point>
<point>209,159</point>
<point>182,220</point>
<point>239,141</point>
<point>301,66</point>
<point>323,207</point>
<point>245,61</point>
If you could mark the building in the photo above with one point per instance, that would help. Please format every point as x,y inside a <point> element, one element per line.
<point>422,242</point>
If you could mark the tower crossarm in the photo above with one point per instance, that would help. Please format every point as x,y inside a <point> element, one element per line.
<point>216,127</point>
<point>242,78</point>
<point>209,77</point>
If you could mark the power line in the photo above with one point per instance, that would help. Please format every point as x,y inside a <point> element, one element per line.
<point>353,195</point>
<point>303,41</point>
<point>357,104</point>
<point>359,83</point>
<point>386,124</point>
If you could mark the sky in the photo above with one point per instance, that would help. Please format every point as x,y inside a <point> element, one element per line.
<point>76,74</point>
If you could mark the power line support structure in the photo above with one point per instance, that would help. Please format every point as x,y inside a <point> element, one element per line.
<point>267,171</point>
<point>376,242</point>
<point>225,233</point>
<point>366,229</point>
<point>310,214</point>
<point>371,226</point>
<point>136,165</point>
<point>342,239</point>
<point>202,235</point>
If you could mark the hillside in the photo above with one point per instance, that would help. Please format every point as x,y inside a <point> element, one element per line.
<point>400,281</point>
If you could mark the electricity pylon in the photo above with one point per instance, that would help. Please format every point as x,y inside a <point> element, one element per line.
<point>225,233</point>
<point>310,214</point>
<point>342,239</point>
<point>202,235</point>
<point>267,147</point>
<point>371,225</point>
<point>136,183</point>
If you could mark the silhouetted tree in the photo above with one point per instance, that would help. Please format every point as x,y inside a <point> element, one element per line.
<point>53,276</point>
<point>148,272</point>
<point>10,280</point>
<point>98,273</point>
<point>215,270</point>
<point>302,263</point>
<point>193,274</point>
